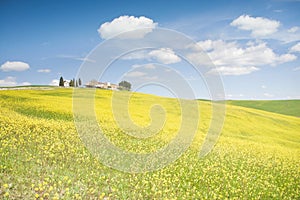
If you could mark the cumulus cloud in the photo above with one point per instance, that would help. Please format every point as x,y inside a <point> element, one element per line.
<point>14,66</point>
<point>150,66</point>
<point>54,82</point>
<point>295,48</point>
<point>232,59</point>
<point>127,23</point>
<point>146,66</point>
<point>137,55</point>
<point>44,70</point>
<point>209,45</point>
<point>151,78</point>
<point>233,70</point>
<point>259,26</point>
<point>135,74</point>
<point>143,73</point>
<point>8,81</point>
<point>206,45</point>
<point>293,29</point>
<point>163,55</point>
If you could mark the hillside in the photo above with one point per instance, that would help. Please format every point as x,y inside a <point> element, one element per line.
<point>286,107</point>
<point>42,155</point>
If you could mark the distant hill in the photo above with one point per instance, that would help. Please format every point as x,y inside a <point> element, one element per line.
<point>286,107</point>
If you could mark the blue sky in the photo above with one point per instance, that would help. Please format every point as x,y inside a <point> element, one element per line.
<point>255,45</point>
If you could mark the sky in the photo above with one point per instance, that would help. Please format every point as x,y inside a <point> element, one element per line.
<point>254,46</point>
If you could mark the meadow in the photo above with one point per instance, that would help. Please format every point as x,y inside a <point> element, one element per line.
<point>286,107</point>
<point>42,157</point>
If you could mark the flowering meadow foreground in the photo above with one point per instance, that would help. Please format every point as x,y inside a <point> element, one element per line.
<point>42,156</point>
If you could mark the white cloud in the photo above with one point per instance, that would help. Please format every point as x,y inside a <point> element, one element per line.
<point>150,66</point>
<point>127,23</point>
<point>293,29</point>
<point>141,75</point>
<point>54,82</point>
<point>258,26</point>
<point>8,81</point>
<point>25,83</point>
<point>44,70</point>
<point>206,45</point>
<point>146,66</point>
<point>14,66</point>
<point>231,70</point>
<point>263,87</point>
<point>232,59</point>
<point>151,78</point>
<point>165,55</point>
<point>295,48</point>
<point>137,55</point>
<point>135,74</point>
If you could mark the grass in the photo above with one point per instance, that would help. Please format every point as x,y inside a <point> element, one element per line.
<point>42,156</point>
<point>286,107</point>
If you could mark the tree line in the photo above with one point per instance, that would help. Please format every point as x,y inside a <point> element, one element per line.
<point>123,85</point>
<point>72,83</point>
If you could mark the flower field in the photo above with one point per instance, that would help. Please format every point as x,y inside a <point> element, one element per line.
<point>42,156</point>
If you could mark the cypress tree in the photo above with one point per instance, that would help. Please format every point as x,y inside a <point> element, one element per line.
<point>61,82</point>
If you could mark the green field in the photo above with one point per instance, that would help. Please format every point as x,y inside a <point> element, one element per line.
<point>257,155</point>
<point>286,107</point>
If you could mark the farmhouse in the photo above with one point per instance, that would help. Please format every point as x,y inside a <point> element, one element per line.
<point>66,83</point>
<point>102,85</point>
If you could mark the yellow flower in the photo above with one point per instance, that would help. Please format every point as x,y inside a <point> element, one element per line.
<point>102,195</point>
<point>46,194</point>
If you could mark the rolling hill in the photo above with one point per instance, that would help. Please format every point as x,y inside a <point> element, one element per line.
<point>43,156</point>
<point>285,107</point>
